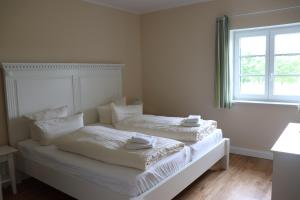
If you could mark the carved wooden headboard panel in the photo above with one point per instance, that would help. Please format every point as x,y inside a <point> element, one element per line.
<point>31,87</point>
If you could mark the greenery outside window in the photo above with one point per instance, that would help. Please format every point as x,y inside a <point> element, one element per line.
<point>266,64</point>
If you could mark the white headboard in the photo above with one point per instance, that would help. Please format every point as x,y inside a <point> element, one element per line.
<point>31,87</point>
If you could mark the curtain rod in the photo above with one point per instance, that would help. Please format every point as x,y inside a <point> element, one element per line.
<point>265,11</point>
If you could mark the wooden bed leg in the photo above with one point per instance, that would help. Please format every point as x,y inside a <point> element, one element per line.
<point>225,159</point>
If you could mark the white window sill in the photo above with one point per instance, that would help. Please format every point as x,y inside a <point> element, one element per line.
<point>266,102</point>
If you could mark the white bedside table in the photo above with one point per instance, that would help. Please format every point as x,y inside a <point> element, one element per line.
<point>7,155</point>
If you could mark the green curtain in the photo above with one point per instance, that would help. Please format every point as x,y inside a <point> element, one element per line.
<point>223,75</point>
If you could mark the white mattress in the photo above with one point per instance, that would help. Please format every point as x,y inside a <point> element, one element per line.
<point>126,181</point>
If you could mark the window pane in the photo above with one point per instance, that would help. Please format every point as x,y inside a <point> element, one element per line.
<point>287,85</point>
<point>253,65</point>
<point>252,85</point>
<point>287,65</point>
<point>287,43</point>
<point>255,45</point>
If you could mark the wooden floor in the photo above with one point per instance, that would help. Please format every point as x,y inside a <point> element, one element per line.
<point>247,179</point>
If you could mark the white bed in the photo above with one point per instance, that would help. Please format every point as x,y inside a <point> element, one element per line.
<point>126,181</point>
<point>33,87</point>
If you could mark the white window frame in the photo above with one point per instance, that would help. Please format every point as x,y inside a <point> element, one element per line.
<point>270,33</point>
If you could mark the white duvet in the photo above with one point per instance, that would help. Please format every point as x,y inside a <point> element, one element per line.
<point>108,145</point>
<point>168,127</point>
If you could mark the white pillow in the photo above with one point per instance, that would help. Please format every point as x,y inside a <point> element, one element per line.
<point>49,114</point>
<point>120,113</point>
<point>49,130</point>
<point>45,115</point>
<point>105,111</point>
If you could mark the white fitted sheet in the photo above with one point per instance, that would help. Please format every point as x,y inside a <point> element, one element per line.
<point>126,181</point>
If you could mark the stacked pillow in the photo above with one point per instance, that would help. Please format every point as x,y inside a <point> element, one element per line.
<point>47,125</point>
<point>121,112</point>
<point>117,110</point>
<point>105,111</point>
<point>50,130</point>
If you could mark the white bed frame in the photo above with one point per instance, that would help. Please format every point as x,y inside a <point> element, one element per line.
<point>31,87</point>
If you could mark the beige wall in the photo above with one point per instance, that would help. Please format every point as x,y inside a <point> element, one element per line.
<point>178,55</point>
<point>69,31</point>
<point>178,67</point>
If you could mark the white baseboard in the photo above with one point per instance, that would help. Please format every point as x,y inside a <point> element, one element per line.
<point>251,152</point>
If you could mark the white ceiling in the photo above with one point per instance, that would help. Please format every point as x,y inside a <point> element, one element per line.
<point>144,6</point>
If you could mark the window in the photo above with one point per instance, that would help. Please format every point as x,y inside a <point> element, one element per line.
<point>266,64</point>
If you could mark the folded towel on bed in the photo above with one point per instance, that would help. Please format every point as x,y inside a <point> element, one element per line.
<point>136,146</point>
<point>141,139</point>
<point>140,142</point>
<point>188,124</point>
<point>192,119</point>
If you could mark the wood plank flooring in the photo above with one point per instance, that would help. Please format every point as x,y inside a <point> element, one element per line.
<point>247,179</point>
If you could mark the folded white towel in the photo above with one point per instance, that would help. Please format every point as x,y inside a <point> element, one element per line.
<point>140,142</point>
<point>188,124</point>
<point>192,119</point>
<point>136,146</point>
<point>198,117</point>
<point>141,139</point>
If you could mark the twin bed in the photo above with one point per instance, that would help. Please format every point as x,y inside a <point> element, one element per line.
<point>33,87</point>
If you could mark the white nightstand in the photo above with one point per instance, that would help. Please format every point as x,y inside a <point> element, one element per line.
<point>7,155</point>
